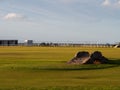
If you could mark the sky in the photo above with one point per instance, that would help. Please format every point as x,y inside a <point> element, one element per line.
<point>60,20</point>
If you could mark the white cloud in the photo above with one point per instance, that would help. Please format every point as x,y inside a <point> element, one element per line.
<point>117,4</point>
<point>14,16</point>
<point>112,4</point>
<point>106,3</point>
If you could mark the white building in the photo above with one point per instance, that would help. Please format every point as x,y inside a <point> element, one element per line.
<point>28,42</point>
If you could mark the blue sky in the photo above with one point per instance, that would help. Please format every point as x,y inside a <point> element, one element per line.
<point>60,20</point>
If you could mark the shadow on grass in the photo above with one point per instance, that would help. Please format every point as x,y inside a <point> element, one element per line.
<point>114,62</point>
<point>66,67</point>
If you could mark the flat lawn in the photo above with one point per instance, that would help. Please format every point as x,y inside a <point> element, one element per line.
<point>36,68</point>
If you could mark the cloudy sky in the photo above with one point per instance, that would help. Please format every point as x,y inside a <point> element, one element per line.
<point>60,20</point>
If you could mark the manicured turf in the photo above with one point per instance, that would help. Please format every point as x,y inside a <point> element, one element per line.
<point>36,68</point>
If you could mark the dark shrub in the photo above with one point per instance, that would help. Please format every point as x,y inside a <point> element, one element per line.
<point>82,54</point>
<point>96,55</point>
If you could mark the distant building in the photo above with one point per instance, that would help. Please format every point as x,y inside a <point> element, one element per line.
<point>117,46</point>
<point>8,42</point>
<point>28,42</point>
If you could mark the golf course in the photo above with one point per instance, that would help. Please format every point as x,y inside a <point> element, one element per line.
<point>46,68</point>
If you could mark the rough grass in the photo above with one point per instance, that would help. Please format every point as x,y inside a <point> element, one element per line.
<point>36,68</point>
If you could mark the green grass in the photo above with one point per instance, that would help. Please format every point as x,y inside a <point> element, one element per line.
<point>36,68</point>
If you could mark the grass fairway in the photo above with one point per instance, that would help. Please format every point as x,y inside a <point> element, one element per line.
<point>36,68</point>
